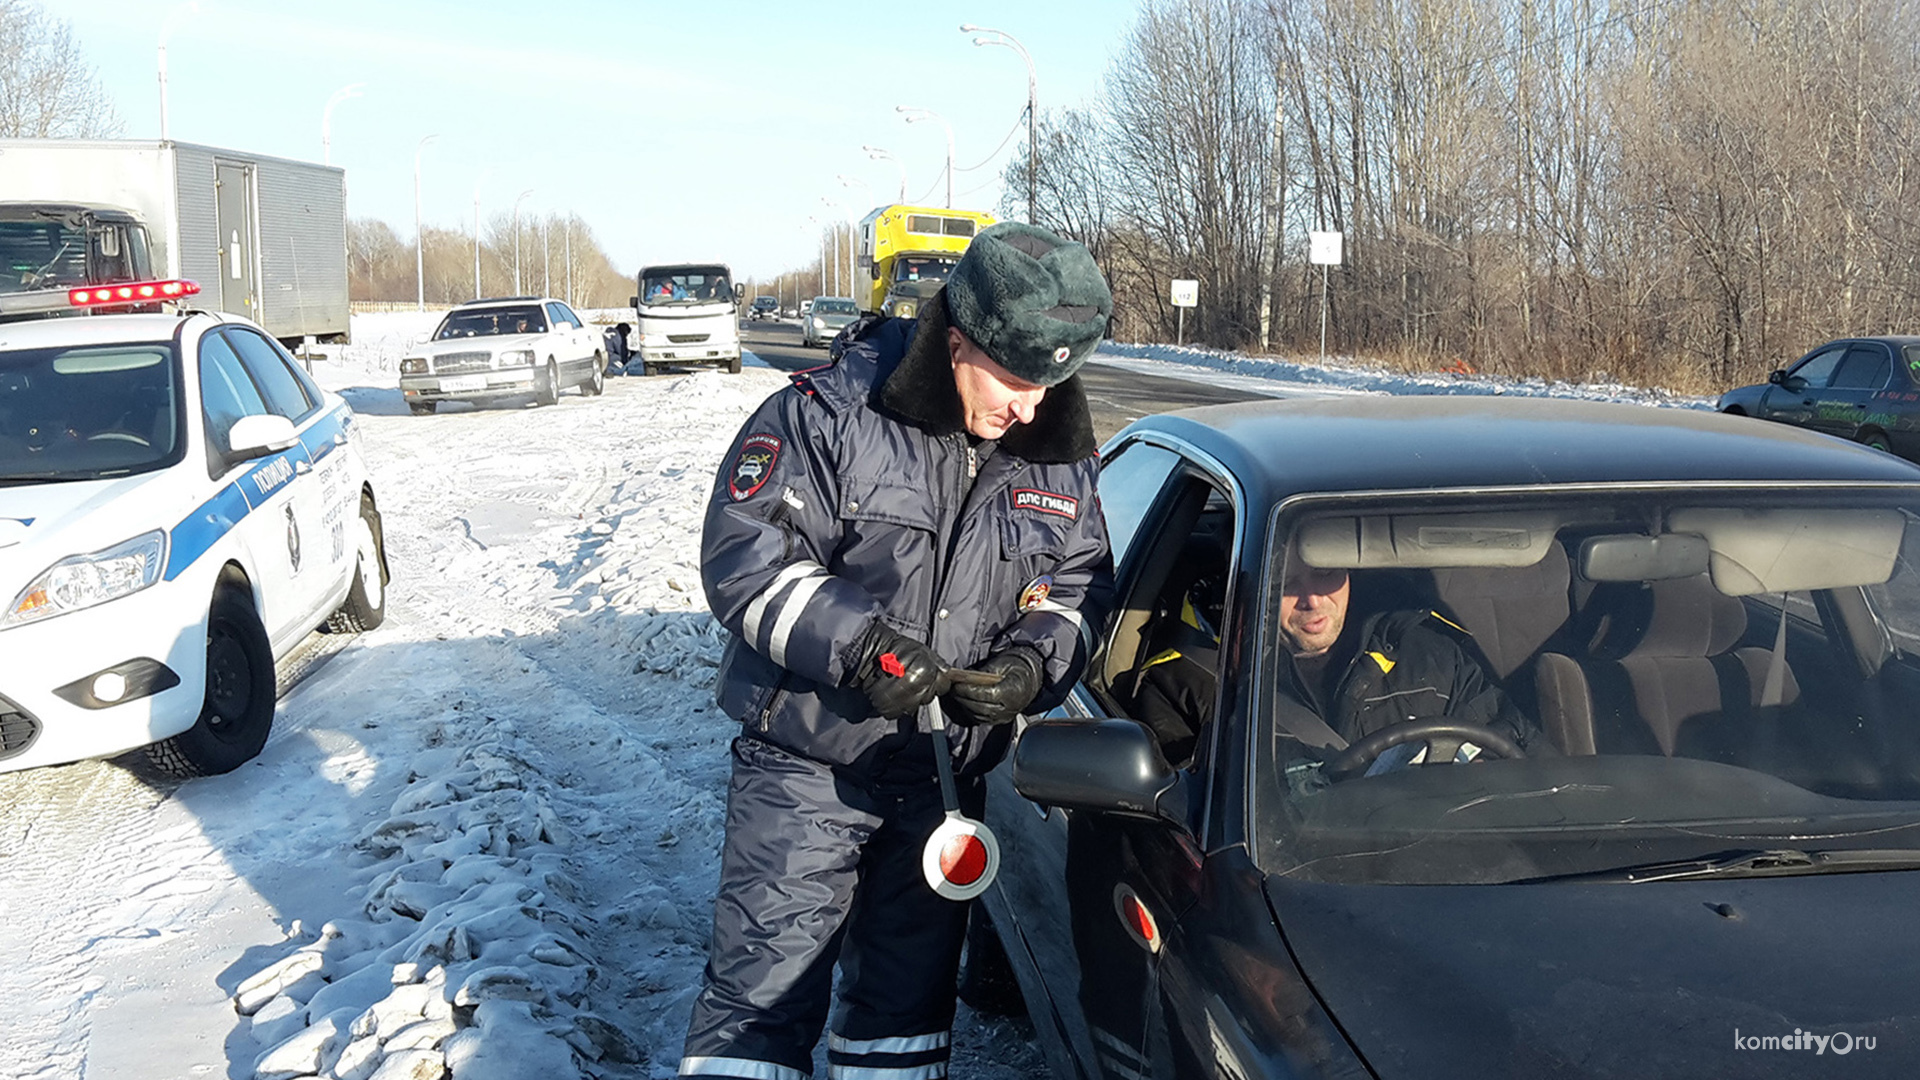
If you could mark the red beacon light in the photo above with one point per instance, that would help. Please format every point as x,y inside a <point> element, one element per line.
<point>133,292</point>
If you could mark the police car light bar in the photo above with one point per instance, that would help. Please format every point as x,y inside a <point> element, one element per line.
<point>131,293</point>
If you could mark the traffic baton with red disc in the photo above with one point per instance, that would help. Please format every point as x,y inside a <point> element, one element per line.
<point>962,856</point>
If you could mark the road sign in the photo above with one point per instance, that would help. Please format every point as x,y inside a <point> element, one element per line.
<point>1323,248</point>
<point>1186,293</point>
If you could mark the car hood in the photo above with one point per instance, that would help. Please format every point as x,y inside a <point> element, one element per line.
<point>1612,980</point>
<point>44,523</point>
<point>490,343</point>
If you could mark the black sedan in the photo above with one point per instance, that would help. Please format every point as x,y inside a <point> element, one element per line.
<point>1864,389</point>
<point>1701,864</point>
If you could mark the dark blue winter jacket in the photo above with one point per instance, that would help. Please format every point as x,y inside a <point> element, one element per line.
<point>845,499</point>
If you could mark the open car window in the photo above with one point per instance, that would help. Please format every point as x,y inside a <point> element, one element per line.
<point>1699,673</point>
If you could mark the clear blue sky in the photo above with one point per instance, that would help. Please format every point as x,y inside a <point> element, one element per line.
<point>677,130</point>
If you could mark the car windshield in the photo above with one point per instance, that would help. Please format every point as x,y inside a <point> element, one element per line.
<point>765,303</point>
<point>1696,680</point>
<point>922,269</point>
<point>686,285</point>
<point>835,307</point>
<point>87,412</point>
<point>491,322</point>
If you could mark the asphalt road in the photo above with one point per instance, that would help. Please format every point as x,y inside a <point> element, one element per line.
<point>1117,397</point>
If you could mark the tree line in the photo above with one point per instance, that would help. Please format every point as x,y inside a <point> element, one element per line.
<point>1681,193</point>
<point>551,256</point>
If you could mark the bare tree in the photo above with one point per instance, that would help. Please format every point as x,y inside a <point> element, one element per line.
<point>47,90</point>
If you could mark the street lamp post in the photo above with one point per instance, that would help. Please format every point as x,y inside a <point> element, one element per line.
<point>878,154</point>
<point>915,114</point>
<point>817,226</point>
<point>546,255</point>
<point>1033,98</point>
<point>516,241</point>
<point>326,119</point>
<point>484,173</point>
<point>419,248</point>
<point>835,226</point>
<point>166,31</point>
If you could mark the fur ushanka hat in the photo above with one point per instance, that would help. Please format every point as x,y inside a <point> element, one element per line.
<point>1032,301</point>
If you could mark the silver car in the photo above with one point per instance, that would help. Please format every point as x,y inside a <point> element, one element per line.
<point>504,348</point>
<point>825,318</point>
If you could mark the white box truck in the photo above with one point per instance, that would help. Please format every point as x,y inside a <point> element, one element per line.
<point>687,314</point>
<point>263,237</point>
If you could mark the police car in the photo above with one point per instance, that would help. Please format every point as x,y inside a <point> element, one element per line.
<point>179,505</point>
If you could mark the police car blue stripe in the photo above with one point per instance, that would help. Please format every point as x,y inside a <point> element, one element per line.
<point>216,517</point>
<point>203,528</point>
<point>320,439</point>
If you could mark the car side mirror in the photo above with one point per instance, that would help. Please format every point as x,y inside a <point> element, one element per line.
<point>739,290</point>
<point>1110,766</point>
<point>633,301</point>
<point>257,436</point>
<point>1777,376</point>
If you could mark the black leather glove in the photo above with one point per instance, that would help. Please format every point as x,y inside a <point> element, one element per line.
<point>1020,669</point>
<point>897,673</point>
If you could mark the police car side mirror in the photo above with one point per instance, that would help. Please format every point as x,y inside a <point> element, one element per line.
<point>633,301</point>
<point>257,436</point>
<point>1110,766</point>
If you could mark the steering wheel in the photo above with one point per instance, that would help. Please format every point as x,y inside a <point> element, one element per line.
<point>1443,739</point>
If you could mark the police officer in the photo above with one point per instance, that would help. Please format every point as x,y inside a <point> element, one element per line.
<point>926,503</point>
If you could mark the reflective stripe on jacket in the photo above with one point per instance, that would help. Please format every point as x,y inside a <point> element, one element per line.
<point>845,499</point>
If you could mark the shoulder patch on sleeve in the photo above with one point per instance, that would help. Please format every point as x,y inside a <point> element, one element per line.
<point>753,465</point>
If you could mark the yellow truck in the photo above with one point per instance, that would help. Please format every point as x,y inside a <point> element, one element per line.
<point>906,253</point>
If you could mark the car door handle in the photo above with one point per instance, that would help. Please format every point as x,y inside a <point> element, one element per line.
<point>339,438</point>
<point>302,467</point>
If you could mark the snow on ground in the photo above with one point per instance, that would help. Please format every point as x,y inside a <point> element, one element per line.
<point>484,835</point>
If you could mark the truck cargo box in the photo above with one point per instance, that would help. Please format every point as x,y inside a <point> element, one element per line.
<point>264,237</point>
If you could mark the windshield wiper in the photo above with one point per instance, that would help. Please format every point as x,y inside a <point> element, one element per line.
<point>11,479</point>
<point>1755,862</point>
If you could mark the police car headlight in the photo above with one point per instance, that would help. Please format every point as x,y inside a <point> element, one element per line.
<point>82,581</point>
<point>517,358</point>
<point>413,365</point>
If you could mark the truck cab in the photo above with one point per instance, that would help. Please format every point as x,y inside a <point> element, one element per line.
<point>906,253</point>
<point>48,248</point>
<point>686,314</point>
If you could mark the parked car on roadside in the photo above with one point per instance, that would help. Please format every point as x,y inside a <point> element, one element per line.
<point>825,318</point>
<point>1713,628</point>
<point>180,505</point>
<point>1865,389</point>
<point>489,349</point>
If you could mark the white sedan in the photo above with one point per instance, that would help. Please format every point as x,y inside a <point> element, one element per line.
<point>179,505</point>
<point>504,348</point>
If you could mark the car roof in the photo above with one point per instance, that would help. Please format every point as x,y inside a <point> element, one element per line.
<point>1896,340</point>
<point>502,301</point>
<point>94,329</point>
<point>1287,446</point>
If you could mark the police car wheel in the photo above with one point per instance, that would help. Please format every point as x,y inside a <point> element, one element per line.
<point>366,603</point>
<point>421,408</point>
<point>238,711</point>
<point>597,385</point>
<point>549,391</point>
<point>733,366</point>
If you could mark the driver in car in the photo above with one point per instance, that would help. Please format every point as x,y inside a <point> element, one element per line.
<point>1392,667</point>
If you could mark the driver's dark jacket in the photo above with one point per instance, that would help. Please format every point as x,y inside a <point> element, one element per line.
<point>1410,665</point>
<point>845,499</point>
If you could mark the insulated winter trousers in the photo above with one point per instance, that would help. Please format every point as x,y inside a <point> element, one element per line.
<point>820,866</point>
